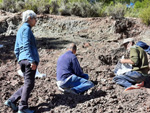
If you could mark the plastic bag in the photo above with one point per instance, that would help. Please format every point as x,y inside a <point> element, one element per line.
<point>39,75</point>
<point>122,68</point>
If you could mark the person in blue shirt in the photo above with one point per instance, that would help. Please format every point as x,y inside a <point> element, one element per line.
<point>28,58</point>
<point>70,77</point>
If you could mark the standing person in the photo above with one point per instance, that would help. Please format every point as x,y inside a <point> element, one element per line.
<point>139,73</point>
<point>70,76</point>
<point>28,58</point>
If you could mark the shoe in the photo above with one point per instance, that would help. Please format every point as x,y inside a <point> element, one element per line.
<point>140,84</point>
<point>26,111</point>
<point>132,87</point>
<point>11,104</point>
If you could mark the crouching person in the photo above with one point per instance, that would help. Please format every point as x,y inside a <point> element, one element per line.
<point>70,77</point>
<point>135,78</point>
<point>28,58</point>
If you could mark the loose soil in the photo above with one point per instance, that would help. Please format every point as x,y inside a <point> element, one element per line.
<point>98,41</point>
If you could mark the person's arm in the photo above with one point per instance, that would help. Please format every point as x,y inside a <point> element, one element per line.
<point>76,67</point>
<point>134,56</point>
<point>16,50</point>
<point>129,61</point>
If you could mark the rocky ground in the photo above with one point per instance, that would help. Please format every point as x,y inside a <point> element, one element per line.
<point>98,41</point>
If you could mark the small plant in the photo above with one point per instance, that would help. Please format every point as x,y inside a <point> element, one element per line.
<point>145,15</point>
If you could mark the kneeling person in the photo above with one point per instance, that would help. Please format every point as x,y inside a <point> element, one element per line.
<point>139,73</point>
<point>70,76</point>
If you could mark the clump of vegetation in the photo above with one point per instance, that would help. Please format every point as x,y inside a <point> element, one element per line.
<point>145,15</point>
<point>8,5</point>
<point>54,7</point>
<point>116,10</point>
<point>82,8</point>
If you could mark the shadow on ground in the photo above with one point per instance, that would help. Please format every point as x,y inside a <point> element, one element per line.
<point>67,100</point>
<point>52,43</point>
<point>8,42</point>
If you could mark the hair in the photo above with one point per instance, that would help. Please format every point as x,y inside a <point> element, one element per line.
<point>133,42</point>
<point>72,46</point>
<point>28,14</point>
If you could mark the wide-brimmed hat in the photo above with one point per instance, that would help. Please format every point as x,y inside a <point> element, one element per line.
<point>144,46</point>
<point>127,40</point>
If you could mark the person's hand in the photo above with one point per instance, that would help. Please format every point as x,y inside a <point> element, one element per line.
<point>33,66</point>
<point>122,61</point>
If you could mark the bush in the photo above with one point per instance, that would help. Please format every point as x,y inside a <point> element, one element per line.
<point>8,5</point>
<point>64,10</point>
<point>116,10</point>
<point>135,11</point>
<point>31,5</point>
<point>145,15</point>
<point>83,9</point>
<point>20,5</point>
<point>54,7</point>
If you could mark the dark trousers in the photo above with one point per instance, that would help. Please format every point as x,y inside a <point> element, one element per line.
<point>24,91</point>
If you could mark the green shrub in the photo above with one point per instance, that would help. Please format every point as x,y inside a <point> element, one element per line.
<point>31,5</point>
<point>145,15</point>
<point>8,5</point>
<point>132,12</point>
<point>54,7</point>
<point>135,11</point>
<point>20,5</point>
<point>116,10</point>
<point>43,6</point>
<point>83,9</point>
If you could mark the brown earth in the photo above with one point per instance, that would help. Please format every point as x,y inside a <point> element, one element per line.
<point>98,41</point>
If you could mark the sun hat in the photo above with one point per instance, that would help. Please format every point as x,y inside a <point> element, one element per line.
<point>127,40</point>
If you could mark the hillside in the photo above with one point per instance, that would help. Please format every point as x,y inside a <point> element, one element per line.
<point>98,41</point>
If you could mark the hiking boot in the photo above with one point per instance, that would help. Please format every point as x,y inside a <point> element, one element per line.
<point>11,104</point>
<point>26,111</point>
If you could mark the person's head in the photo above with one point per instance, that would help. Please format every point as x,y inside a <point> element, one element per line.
<point>29,16</point>
<point>72,47</point>
<point>127,43</point>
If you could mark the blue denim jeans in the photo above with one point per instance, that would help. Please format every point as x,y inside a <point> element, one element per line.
<point>78,84</point>
<point>129,78</point>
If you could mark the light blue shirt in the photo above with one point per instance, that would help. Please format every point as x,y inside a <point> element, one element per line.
<point>25,45</point>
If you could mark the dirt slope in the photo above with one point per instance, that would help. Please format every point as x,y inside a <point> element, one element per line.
<point>98,41</point>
